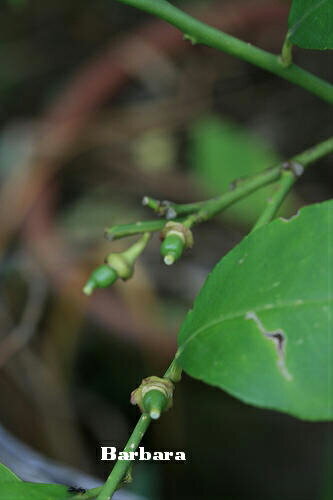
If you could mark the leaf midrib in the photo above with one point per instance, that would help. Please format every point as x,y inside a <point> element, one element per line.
<point>243,313</point>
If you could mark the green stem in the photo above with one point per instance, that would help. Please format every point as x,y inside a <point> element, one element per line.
<point>169,209</point>
<point>204,210</point>
<point>289,177</point>
<point>245,188</point>
<point>89,494</point>
<point>288,172</point>
<point>174,372</point>
<point>121,467</point>
<point>135,250</point>
<point>212,37</point>
<point>199,211</point>
<point>287,52</point>
<point>155,205</point>
<point>313,154</point>
<point>120,231</point>
<point>275,201</point>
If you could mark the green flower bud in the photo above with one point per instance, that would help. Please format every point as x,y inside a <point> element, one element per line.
<point>177,238</point>
<point>117,265</point>
<point>172,247</point>
<point>123,266</point>
<point>124,262</point>
<point>153,396</point>
<point>101,277</point>
<point>154,402</point>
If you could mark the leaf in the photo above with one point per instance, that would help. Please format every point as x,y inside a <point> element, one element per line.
<point>261,327</point>
<point>34,491</point>
<point>6,475</point>
<point>220,153</point>
<point>311,24</point>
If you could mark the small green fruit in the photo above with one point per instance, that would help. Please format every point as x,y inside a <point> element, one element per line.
<point>172,247</point>
<point>154,403</point>
<point>123,265</point>
<point>101,277</point>
<point>153,396</point>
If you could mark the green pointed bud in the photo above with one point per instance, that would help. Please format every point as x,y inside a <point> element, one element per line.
<point>172,247</point>
<point>176,238</point>
<point>101,277</point>
<point>123,263</point>
<point>154,403</point>
<point>153,396</point>
<point>117,265</point>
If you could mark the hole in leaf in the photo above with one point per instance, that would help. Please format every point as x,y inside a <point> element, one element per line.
<point>278,337</point>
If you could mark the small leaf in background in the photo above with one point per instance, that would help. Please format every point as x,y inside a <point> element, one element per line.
<point>221,152</point>
<point>261,327</point>
<point>7,476</point>
<point>17,3</point>
<point>155,150</point>
<point>311,24</point>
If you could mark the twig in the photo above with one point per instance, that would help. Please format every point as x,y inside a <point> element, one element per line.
<point>121,467</point>
<point>169,209</point>
<point>293,169</point>
<point>120,231</point>
<point>245,187</point>
<point>199,32</point>
<point>204,210</point>
<point>199,211</point>
<point>286,56</point>
<point>288,172</point>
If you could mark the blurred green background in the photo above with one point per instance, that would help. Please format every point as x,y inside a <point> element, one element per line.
<point>99,106</point>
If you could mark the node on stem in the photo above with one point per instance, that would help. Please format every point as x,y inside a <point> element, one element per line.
<point>176,238</point>
<point>153,396</point>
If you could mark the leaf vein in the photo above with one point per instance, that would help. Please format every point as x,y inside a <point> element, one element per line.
<point>305,16</point>
<point>243,313</point>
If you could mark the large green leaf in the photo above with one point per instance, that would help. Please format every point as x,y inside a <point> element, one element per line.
<point>261,327</point>
<point>7,476</point>
<point>220,153</point>
<point>311,24</point>
<point>34,491</point>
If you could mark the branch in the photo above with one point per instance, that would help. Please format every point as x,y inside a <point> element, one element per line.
<point>89,494</point>
<point>202,211</point>
<point>199,32</point>
<point>246,187</point>
<point>121,467</point>
<point>199,211</point>
<point>293,169</point>
<point>287,172</point>
<point>169,209</point>
<point>122,230</point>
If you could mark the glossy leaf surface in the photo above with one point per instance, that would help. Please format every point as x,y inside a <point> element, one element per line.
<point>311,24</point>
<point>261,327</point>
